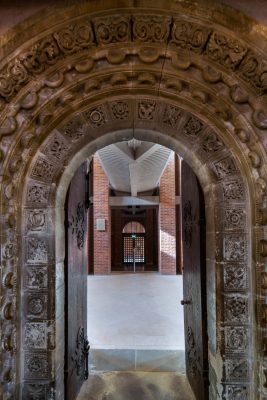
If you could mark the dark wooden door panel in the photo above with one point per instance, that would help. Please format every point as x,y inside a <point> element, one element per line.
<point>193,231</point>
<point>76,284</point>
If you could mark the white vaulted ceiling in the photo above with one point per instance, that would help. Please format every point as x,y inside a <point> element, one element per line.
<point>134,166</point>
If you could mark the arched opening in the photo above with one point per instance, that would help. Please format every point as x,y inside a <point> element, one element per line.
<point>194,290</point>
<point>94,90</point>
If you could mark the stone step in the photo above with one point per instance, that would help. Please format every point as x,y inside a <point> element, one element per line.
<point>137,360</point>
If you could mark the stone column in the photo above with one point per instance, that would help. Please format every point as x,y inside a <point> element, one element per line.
<point>102,238</point>
<point>167,219</point>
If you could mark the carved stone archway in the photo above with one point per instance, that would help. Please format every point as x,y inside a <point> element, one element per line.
<point>96,75</point>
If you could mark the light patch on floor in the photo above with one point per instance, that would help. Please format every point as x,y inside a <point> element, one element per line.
<point>136,386</point>
<point>135,311</point>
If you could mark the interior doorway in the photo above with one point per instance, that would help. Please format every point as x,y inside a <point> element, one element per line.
<point>194,292</point>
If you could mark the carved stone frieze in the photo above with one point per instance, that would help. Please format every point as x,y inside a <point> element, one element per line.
<point>36,250</point>
<point>236,339</point>
<point>254,70</point>
<point>36,306</point>
<point>233,190</point>
<point>36,366</point>
<point>35,277</point>
<point>193,127</point>
<point>236,309</point>
<point>37,194</point>
<point>35,335</point>
<point>57,148</point>
<point>36,220</point>
<point>225,167</point>
<point>234,219</point>
<point>235,277</point>
<point>146,109</point>
<point>151,28</point>
<point>115,28</point>
<point>171,115</point>
<point>75,37</point>
<point>234,247</point>
<point>74,129</point>
<point>225,50</point>
<point>36,391</point>
<point>212,144</point>
<point>43,170</point>
<point>96,116</point>
<point>189,36</point>
<point>235,392</point>
<point>236,370</point>
<point>120,110</point>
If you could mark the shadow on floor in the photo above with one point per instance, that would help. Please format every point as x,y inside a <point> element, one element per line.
<point>136,386</point>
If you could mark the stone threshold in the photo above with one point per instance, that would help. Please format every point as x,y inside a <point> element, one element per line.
<point>103,360</point>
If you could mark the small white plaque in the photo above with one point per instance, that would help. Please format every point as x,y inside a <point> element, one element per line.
<point>100,224</point>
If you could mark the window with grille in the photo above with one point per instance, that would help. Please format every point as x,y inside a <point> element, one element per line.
<point>133,243</point>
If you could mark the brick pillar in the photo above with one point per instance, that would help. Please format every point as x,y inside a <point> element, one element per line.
<point>102,239</point>
<point>167,219</point>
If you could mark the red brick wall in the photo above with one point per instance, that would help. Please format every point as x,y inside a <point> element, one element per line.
<point>167,219</point>
<point>102,239</point>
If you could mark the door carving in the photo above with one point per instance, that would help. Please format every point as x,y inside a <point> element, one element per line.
<point>76,267</point>
<point>193,232</point>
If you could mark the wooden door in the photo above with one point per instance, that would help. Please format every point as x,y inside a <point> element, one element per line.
<point>76,267</point>
<point>194,283</point>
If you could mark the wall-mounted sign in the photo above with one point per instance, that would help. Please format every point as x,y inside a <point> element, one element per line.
<point>100,224</point>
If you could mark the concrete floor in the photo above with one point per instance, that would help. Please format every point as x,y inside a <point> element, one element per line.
<point>136,333</point>
<point>135,311</point>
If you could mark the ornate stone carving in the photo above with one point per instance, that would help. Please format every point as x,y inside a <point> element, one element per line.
<point>236,393</point>
<point>234,218</point>
<point>75,37</point>
<point>113,29</point>
<point>236,309</point>
<point>171,115</point>
<point>235,277</point>
<point>233,190</point>
<point>77,225</point>
<point>36,391</point>
<point>36,306</point>
<point>37,250</point>
<point>36,277</point>
<point>9,251</point>
<point>236,370</point>
<point>234,247</point>
<point>212,144</point>
<point>96,116</point>
<point>225,167</point>
<point>151,28</point>
<point>35,335</point>
<point>120,110</point>
<point>36,366</point>
<point>254,70</point>
<point>193,127</point>
<point>236,339</point>
<point>37,194</point>
<point>57,148</point>
<point>36,220</point>
<point>74,129</point>
<point>12,78</point>
<point>189,36</point>
<point>43,170</point>
<point>225,50</point>
<point>146,109</point>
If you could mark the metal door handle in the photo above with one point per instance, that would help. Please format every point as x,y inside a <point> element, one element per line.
<point>184,302</point>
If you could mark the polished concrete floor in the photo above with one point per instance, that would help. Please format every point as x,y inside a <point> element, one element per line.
<point>135,311</point>
<point>136,333</point>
